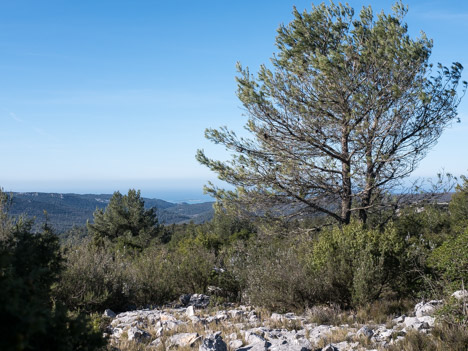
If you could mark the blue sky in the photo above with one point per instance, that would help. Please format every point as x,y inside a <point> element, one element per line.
<point>98,96</point>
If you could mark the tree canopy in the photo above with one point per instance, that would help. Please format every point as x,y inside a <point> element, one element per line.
<point>125,220</point>
<point>349,107</point>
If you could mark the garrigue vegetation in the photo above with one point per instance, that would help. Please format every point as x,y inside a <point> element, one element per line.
<point>348,112</point>
<point>279,266</point>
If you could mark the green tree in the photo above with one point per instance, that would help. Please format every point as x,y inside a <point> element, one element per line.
<point>125,221</point>
<point>30,265</point>
<point>349,108</point>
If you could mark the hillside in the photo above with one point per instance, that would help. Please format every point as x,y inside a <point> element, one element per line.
<point>67,210</point>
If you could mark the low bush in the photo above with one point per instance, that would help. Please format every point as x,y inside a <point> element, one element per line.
<point>93,279</point>
<point>96,278</point>
<point>266,271</point>
<point>354,265</point>
<point>450,261</point>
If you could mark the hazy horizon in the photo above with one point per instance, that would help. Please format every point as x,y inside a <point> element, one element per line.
<point>167,191</point>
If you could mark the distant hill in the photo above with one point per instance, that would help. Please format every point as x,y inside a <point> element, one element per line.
<point>68,210</point>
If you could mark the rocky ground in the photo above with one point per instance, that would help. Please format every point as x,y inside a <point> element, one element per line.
<point>193,325</point>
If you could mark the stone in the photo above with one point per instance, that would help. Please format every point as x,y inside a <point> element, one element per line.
<point>415,323</point>
<point>199,300</point>
<point>460,294</point>
<point>399,319</point>
<point>366,332</point>
<point>427,319</point>
<point>254,347</point>
<point>221,316</point>
<point>255,338</point>
<point>163,324</point>
<point>288,347</point>
<point>155,343</point>
<point>159,331</point>
<point>384,334</point>
<point>213,342</point>
<point>319,332</point>
<point>409,321</point>
<point>195,319</point>
<point>330,347</point>
<point>109,313</point>
<point>169,325</point>
<point>426,308</point>
<point>232,336</point>
<point>190,311</point>
<point>235,344</point>
<point>183,339</point>
<point>137,334</point>
<point>345,345</point>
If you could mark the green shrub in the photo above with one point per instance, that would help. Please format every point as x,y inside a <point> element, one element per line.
<point>152,276</point>
<point>93,279</point>
<point>96,278</point>
<point>29,265</point>
<point>193,265</point>
<point>451,261</point>
<point>269,274</point>
<point>453,312</point>
<point>354,265</point>
<point>458,206</point>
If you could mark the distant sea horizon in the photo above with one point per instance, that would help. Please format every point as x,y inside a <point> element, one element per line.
<point>190,196</point>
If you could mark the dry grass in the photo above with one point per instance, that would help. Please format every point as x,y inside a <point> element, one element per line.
<point>327,315</point>
<point>383,311</point>
<point>443,338</point>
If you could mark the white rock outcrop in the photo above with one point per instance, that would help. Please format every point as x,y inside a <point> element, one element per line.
<point>243,329</point>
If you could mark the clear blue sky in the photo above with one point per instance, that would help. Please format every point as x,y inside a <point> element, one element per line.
<point>97,96</point>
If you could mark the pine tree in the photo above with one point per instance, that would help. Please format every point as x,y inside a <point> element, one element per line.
<point>125,221</point>
<point>349,108</point>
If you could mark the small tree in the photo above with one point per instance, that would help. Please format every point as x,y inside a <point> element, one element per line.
<point>348,110</point>
<point>30,265</point>
<point>125,220</point>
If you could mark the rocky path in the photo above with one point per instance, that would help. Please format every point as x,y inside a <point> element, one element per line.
<point>242,328</point>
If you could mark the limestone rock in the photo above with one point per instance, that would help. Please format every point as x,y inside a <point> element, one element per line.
<point>155,343</point>
<point>366,332</point>
<point>213,342</point>
<point>183,339</point>
<point>190,311</point>
<point>426,308</point>
<point>199,300</point>
<point>460,294</point>
<point>109,313</point>
<point>427,319</point>
<point>235,344</point>
<point>137,334</point>
<point>330,347</point>
<point>415,323</point>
